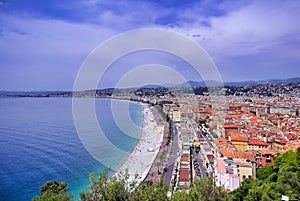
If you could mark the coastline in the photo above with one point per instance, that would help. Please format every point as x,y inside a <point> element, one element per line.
<point>145,151</point>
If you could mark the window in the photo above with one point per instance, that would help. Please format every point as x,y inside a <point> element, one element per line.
<point>244,177</point>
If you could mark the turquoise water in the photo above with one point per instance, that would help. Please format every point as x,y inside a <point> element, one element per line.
<point>39,142</point>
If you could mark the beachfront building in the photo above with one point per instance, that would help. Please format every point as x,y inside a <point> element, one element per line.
<point>184,173</point>
<point>185,143</point>
<point>176,114</point>
<point>184,176</point>
<point>184,179</point>
<point>226,174</point>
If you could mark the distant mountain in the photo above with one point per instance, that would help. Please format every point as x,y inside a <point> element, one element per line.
<point>242,83</point>
<point>150,86</point>
<point>153,86</point>
<point>195,84</point>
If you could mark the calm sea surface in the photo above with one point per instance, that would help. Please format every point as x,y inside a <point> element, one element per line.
<point>39,142</point>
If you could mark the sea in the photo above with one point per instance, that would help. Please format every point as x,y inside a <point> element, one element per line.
<point>39,142</point>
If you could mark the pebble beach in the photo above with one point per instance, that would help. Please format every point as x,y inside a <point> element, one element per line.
<point>144,153</point>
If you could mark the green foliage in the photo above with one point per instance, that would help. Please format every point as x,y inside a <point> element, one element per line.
<point>264,173</point>
<point>53,191</point>
<point>150,192</point>
<point>170,133</point>
<point>119,188</point>
<point>201,190</point>
<point>282,178</point>
<point>159,108</point>
<point>108,189</point>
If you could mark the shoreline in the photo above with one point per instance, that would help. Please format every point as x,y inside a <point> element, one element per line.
<point>146,149</point>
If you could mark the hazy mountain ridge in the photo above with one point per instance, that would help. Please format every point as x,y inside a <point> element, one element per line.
<point>241,83</point>
<point>110,91</point>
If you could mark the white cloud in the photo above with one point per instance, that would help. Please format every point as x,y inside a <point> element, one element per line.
<point>257,40</point>
<point>244,30</point>
<point>38,50</point>
<point>248,29</point>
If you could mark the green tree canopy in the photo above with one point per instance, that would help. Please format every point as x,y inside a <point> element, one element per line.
<point>53,191</point>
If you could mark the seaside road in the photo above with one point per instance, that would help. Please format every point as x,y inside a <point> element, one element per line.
<point>199,158</point>
<point>172,157</point>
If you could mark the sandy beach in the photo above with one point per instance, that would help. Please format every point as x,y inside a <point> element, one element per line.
<point>142,156</point>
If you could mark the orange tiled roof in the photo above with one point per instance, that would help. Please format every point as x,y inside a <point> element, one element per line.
<point>269,151</point>
<point>220,141</point>
<point>239,138</point>
<point>255,141</point>
<point>293,145</point>
<point>249,156</point>
<point>281,141</point>
<point>253,120</point>
<point>244,155</point>
<point>184,174</point>
<point>239,154</point>
<point>185,155</point>
<point>291,136</point>
<point>227,152</point>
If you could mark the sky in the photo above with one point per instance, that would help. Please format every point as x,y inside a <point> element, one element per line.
<point>43,44</point>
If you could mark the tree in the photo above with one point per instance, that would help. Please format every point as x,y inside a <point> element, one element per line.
<point>104,188</point>
<point>182,196</point>
<point>148,191</point>
<point>161,158</point>
<point>53,191</point>
<point>119,188</point>
<point>201,190</point>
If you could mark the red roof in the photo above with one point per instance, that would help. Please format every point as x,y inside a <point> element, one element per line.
<point>185,155</point>
<point>238,138</point>
<point>255,141</point>
<point>184,174</point>
<point>281,141</point>
<point>244,155</point>
<point>220,141</point>
<point>227,152</point>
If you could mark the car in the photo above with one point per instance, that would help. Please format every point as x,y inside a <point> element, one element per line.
<point>198,174</point>
<point>196,165</point>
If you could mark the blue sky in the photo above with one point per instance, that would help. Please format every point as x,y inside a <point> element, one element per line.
<point>44,43</point>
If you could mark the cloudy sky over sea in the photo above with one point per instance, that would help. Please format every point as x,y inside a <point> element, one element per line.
<point>44,43</point>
